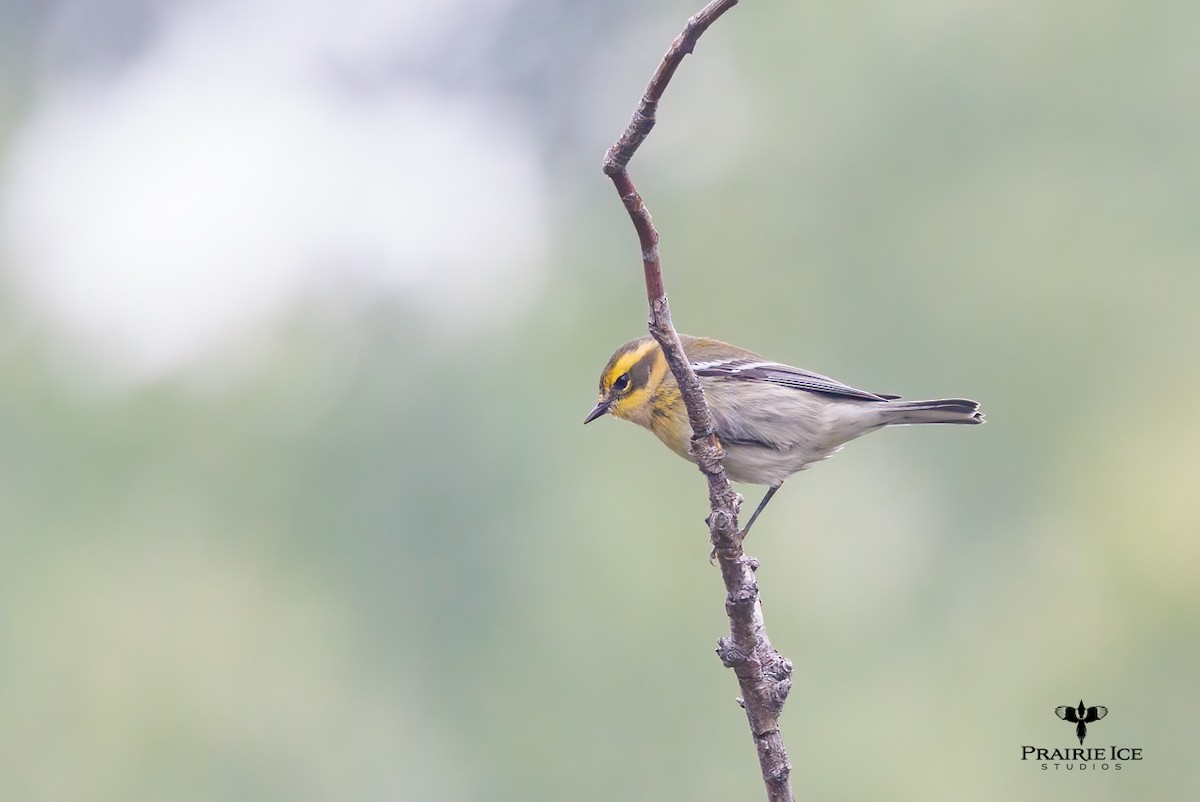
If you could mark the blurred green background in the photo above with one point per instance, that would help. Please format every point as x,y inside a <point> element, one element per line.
<point>302,304</point>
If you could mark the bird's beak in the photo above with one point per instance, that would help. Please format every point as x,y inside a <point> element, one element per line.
<point>599,410</point>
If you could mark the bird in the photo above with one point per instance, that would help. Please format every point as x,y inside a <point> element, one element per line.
<point>772,420</point>
<point>1081,717</point>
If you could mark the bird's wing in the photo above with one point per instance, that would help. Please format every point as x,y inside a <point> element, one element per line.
<point>1066,713</point>
<point>785,375</point>
<point>1096,713</point>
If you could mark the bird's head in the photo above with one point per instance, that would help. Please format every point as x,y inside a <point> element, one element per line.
<point>629,380</point>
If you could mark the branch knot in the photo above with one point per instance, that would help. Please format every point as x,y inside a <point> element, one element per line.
<point>731,656</point>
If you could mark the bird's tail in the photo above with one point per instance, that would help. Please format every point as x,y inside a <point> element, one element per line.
<point>947,410</point>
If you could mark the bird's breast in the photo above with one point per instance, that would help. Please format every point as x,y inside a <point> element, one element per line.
<point>669,421</point>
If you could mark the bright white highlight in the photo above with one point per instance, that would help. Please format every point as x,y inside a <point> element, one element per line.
<point>256,152</point>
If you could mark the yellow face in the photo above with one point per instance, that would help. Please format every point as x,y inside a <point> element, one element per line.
<point>629,380</point>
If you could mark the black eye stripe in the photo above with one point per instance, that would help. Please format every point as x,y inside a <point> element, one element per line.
<point>639,373</point>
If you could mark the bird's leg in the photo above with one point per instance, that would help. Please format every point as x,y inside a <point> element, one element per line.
<point>761,506</point>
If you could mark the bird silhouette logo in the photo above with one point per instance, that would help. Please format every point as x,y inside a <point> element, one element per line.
<point>1081,717</point>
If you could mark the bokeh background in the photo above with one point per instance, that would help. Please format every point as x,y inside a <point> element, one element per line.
<point>302,304</point>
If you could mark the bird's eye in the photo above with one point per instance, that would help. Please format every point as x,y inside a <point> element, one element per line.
<point>621,383</point>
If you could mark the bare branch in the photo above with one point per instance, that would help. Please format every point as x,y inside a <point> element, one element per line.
<point>763,674</point>
<point>643,120</point>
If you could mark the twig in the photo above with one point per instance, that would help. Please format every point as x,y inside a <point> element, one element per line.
<point>763,674</point>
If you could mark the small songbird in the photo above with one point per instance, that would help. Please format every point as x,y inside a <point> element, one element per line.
<point>771,419</point>
<point>1081,717</point>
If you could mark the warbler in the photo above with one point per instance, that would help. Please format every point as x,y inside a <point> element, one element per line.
<point>772,420</point>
